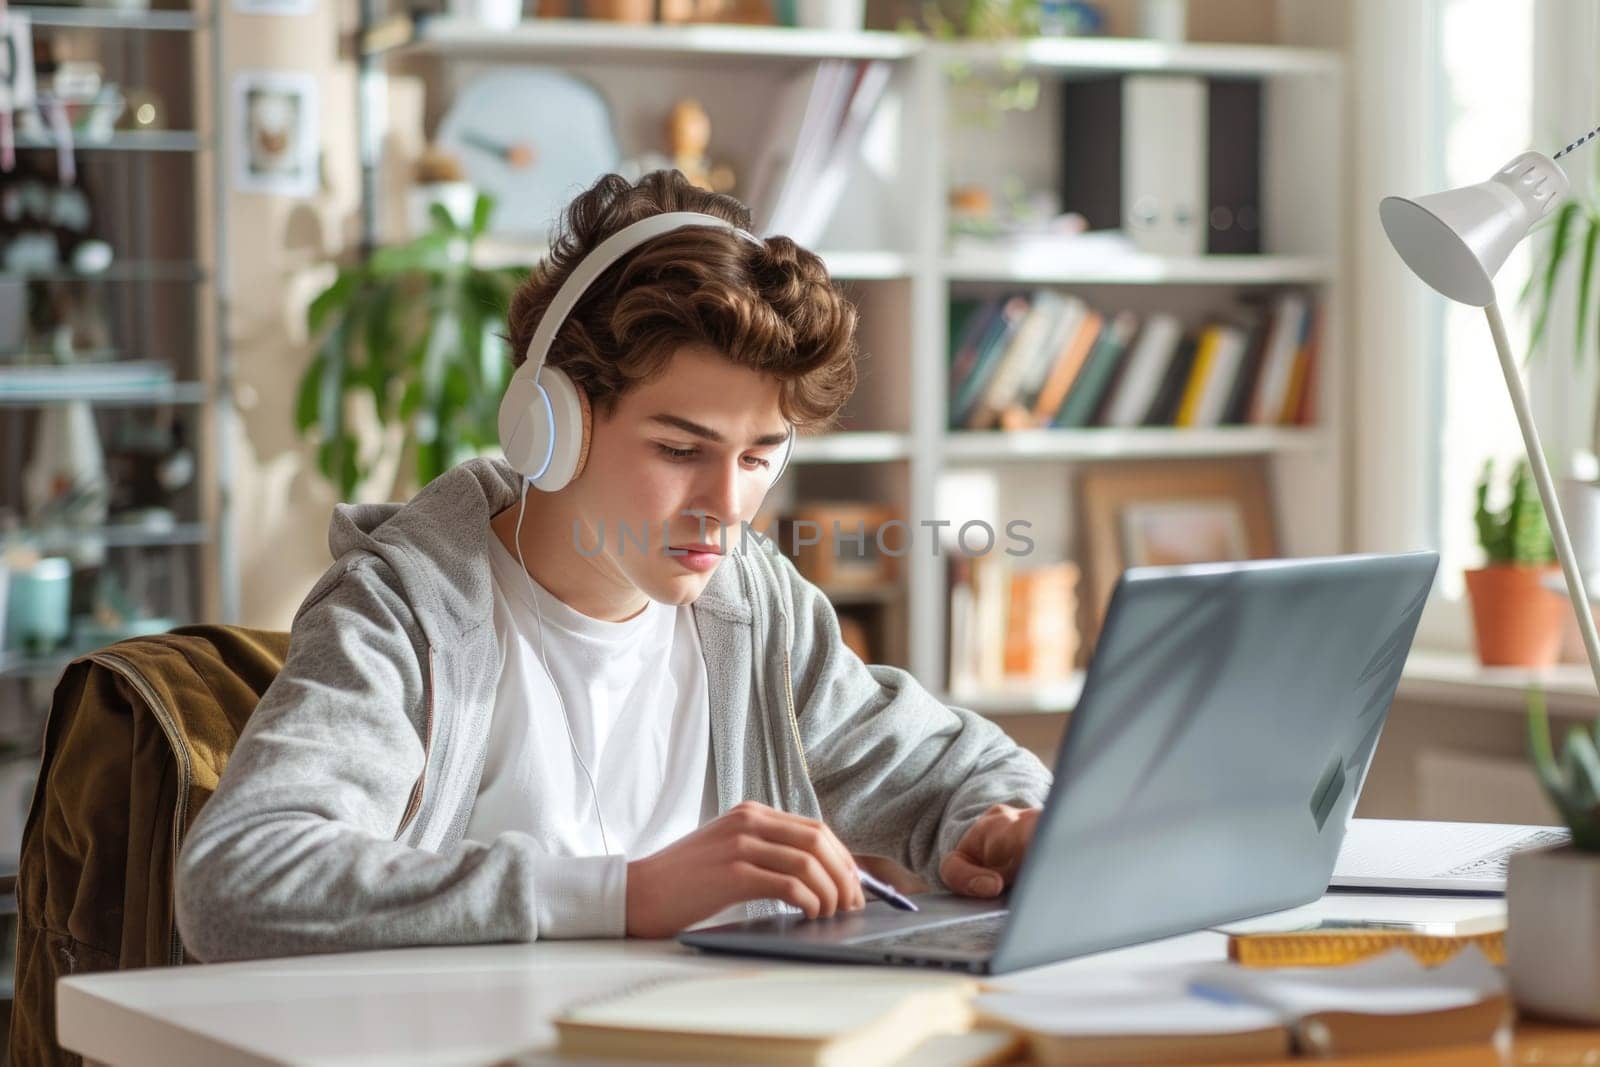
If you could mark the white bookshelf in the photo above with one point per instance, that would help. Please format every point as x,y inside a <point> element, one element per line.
<point>1022,268</point>
<point>1104,55</point>
<point>1157,443</point>
<point>887,243</point>
<point>597,40</point>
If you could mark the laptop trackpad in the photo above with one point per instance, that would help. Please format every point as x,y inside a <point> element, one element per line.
<point>875,920</point>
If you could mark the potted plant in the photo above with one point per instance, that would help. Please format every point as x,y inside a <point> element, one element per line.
<point>412,333</point>
<point>1553,894</point>
<point>1516,621</point>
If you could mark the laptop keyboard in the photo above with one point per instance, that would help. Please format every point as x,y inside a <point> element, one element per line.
<point>979,936</point>
<point>1494,864</point>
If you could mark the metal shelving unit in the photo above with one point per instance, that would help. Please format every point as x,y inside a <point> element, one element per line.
<point>163,296</point>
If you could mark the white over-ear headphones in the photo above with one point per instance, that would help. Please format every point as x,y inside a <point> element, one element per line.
<point>544,417</point>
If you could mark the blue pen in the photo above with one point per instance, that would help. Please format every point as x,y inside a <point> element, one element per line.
<point>885,892</point>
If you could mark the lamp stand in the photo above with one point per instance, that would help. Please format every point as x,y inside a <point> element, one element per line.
<point>1547,491</point>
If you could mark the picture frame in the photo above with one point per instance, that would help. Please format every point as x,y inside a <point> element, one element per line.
<point>1171,513</point>
<point>833,561</point>
<point>277,147</point>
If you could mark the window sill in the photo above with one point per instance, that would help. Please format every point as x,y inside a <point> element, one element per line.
<point>1457,678</point>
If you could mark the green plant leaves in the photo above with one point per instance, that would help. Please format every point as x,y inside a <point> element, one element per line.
<point>414,325</point>
<point>1573,782</point>
<point>1520,532</point>
<point>1556,252</point>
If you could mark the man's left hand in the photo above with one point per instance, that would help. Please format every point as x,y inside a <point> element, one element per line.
<point>990,852</point>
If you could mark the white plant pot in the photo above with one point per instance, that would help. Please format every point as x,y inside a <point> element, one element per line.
<point>839,16</point>
<point>458,199</point>
<point>1580,506</point>
<point>491,14</point>
<point>1553,933</point>
<point>1164,20</point>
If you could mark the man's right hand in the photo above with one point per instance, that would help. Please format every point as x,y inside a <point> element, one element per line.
<point>752,852</point>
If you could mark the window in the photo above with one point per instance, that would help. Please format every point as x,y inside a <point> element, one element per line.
<point>1486,102</point>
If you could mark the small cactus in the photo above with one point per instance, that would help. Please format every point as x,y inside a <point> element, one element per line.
<point>1572,782</point>
<point>1518,533</point>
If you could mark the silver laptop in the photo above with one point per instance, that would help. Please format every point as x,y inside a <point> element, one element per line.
<point>1207,774</point>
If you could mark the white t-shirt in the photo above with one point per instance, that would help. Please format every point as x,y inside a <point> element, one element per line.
<point>636,698</point>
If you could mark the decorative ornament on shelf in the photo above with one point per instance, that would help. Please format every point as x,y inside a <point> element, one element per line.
<point>689,136</point>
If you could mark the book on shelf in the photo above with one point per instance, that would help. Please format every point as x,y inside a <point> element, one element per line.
<point>1068,366</point>
<point>1064,316</point>
<point>1084,401</point>
<point>1015,364</point>
<point>1047,360</point>
<point>794,1015</point>
<point>1008,624</point>
<point>1213,1012</point>
<point>1164,409</point>
<point>1211,383</point>
<point>808,108</point>
<point>814,141</point>
<point>1147,364</point>
<point>1289,322</point>
<point>815,197</point>
<point>1297,405</point>
<point>991,346</point>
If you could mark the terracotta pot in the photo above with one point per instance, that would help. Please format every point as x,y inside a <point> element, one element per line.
<point>621,10</point>
<point>1516,622</point>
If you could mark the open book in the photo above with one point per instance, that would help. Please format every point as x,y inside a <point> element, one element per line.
<point>825,1016</point>
<point>1223,1011</point>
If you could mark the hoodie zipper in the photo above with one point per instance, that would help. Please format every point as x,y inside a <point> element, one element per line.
<point>169,726</point>
<point>415,803</point>
<point>788,686</point>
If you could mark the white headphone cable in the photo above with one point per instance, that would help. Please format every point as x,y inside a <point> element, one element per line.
<point>538,615</point>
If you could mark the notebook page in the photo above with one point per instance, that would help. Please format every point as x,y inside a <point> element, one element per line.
<point>1391,984</point>
<point>1403,848</point>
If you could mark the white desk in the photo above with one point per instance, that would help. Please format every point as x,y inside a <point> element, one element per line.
<point>481,1004</point>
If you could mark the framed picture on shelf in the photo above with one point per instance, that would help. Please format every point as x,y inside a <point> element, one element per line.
<point>277,147</point>
<point>836,544</point>
<point>1171,513</point>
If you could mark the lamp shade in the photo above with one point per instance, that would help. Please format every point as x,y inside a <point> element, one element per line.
<point>1457,240</point>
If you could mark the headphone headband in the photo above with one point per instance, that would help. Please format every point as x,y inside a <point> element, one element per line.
<point>604,255</point>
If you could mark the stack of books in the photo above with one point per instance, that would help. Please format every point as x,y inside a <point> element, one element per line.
<point>1009,625</point>
<point>1050,360</point>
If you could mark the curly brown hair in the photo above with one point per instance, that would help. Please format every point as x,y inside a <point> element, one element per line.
<point>772,308</point>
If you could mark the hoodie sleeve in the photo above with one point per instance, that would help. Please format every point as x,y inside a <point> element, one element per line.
<point>296,851</point>
<point>897,772</point>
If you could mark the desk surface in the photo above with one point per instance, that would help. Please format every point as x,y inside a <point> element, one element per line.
<point>480,1004</point>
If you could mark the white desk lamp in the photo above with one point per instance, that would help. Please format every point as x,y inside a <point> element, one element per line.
<point>1456,241</point>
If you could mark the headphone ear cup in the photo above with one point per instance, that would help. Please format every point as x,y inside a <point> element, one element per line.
<point>524,424</point>
<point>588,422</point>
<point>568,448</point>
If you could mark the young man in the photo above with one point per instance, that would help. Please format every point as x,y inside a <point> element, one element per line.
<point>506,716</point>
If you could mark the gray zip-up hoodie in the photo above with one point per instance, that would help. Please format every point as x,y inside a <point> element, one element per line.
<point>338,822</point>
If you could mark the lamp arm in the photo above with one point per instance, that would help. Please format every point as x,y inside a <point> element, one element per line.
<point>1547,491</point>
